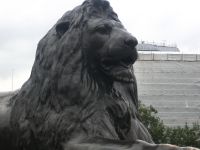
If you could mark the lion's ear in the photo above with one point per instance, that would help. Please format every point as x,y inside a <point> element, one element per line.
<point>62,27</point>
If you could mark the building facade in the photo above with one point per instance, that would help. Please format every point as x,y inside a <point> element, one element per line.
<point>170,83</point>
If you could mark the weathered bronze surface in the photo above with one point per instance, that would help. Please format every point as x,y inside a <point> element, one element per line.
<point>82,92</point>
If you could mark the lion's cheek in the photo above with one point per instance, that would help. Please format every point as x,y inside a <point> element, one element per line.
<point>99,43</point>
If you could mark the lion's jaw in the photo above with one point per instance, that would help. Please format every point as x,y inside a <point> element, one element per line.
<point>112,47</point>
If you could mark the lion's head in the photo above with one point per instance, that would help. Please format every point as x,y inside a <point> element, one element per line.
<point>82,69</point>
<point>109,48</point>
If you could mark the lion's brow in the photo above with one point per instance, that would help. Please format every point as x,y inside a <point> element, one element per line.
<point>118,24</point>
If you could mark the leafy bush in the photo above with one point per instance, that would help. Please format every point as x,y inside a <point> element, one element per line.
<point>181,136</point>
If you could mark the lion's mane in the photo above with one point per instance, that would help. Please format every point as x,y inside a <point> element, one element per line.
<point>61,99</point>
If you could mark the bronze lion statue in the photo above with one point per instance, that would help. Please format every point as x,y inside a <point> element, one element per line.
<point>82,92</point>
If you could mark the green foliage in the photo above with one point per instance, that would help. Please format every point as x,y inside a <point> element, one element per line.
<point>184,136</point>
<point>181,136</point>
<point>154,125</point>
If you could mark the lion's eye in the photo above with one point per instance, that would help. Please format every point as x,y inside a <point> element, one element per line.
<point>94,12</point>
<point>102,30</point>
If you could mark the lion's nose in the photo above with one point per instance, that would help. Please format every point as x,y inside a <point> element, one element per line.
<point>131,42</point>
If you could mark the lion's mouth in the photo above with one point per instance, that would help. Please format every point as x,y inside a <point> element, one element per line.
<point>127,62</point>
<point>108,64</point>
<point>119,70</point>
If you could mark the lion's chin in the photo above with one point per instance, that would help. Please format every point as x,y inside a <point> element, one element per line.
<point>120,73</point>
<point>124,75</point>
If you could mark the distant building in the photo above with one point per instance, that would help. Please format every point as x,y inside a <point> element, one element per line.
<point>144,46</point>
<point>170,83</point>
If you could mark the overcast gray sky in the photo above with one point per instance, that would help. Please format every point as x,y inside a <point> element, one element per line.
<point>24,23</point>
